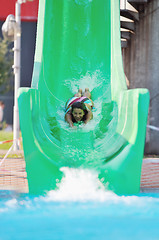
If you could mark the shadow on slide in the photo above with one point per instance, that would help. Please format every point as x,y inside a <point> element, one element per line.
<point>78,45</point>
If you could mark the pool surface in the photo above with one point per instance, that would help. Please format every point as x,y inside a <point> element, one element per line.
<point>79,209</point>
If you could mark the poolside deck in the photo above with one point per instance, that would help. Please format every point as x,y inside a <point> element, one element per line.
<point>13,175</point>
<point>150,175</point>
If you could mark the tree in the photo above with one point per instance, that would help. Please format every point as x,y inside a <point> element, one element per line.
<point>6,62</point>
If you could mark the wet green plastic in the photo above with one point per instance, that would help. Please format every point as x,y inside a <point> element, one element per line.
<point>80,39</point>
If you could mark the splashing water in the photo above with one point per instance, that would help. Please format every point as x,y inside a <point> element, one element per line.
<point>94,81</point>
<point>99,91</point>
<point>80,209</point>
<point>83,185</point>
<point>78,185</point>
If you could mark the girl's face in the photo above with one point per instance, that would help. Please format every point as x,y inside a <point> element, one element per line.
<point>78,114</point>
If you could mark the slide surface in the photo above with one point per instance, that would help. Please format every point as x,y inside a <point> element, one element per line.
<point>78,46</point>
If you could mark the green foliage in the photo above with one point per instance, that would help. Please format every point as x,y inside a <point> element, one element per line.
<point>6,62</point>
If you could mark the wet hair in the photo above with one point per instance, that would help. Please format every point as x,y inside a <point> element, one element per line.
<point>82,106</point>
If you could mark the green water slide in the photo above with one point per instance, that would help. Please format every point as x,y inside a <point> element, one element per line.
<point>78,46</point>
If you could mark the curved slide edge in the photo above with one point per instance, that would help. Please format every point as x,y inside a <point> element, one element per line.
<point>42,172</point>
<point>122,173</point>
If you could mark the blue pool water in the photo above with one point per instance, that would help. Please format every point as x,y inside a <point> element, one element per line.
<point>80,209</point>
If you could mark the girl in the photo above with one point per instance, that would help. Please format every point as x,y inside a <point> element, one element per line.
<point>79,108</point>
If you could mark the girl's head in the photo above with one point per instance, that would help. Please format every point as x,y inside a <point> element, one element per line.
<point>79,111</point>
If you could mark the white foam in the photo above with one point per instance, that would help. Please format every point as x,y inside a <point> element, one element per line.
<point>12,203</point>
<point>82,185</point>
<point>77,185</point>
<point>9,204</point>
<point>90,81</point>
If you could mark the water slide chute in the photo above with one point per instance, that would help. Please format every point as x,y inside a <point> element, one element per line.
<point>78,45</point>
